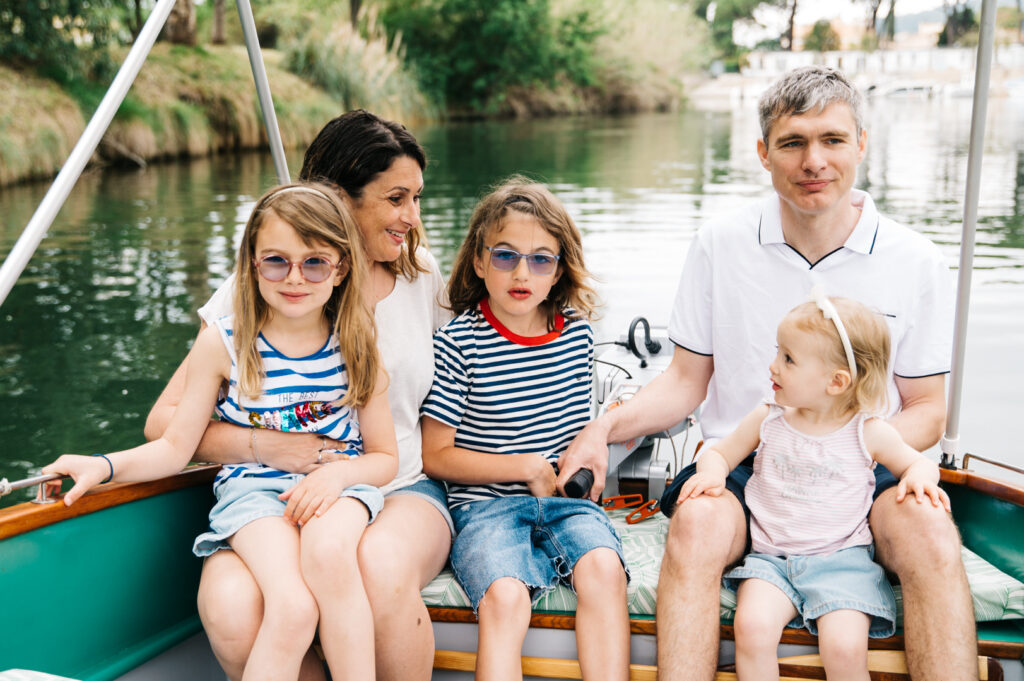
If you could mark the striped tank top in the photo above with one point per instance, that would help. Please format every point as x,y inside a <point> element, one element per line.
<point>810,495</point>
<point>300,395</point>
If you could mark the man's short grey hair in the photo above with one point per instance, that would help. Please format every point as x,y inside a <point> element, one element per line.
<point>808,89</point>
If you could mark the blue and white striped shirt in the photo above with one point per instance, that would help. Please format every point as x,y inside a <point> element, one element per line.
<point>300,395</point>
<point>506,394</point>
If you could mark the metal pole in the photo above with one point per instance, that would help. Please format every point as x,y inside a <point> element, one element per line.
<point>259,74</point>
<point>950,443</point>
<point>51,204</point>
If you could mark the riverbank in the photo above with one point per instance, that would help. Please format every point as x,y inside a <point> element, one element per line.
<point>186,102</point>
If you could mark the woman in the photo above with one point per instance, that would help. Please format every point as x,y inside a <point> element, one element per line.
<point>380,165</point>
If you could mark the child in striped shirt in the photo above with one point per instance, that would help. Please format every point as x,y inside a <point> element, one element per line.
<point>298,354</point>
<point>809,497</point>
<point>512,381</point>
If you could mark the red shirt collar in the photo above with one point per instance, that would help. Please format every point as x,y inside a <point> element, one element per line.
<point>485,308</point>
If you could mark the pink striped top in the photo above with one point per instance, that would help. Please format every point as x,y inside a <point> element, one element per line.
<point>810,495</point>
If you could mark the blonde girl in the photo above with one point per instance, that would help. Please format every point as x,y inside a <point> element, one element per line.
<point>817,444</point>
<point>297,355</point>
<point>512,378</point>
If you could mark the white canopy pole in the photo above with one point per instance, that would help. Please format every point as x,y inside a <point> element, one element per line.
<point>950,443</point>
<point>259,75</point>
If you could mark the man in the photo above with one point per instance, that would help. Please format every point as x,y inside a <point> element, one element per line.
<point>742,274</point>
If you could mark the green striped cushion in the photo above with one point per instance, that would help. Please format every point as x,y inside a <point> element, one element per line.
<point>996,595</point>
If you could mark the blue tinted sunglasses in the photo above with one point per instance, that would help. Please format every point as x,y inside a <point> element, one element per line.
<point>507,259</point>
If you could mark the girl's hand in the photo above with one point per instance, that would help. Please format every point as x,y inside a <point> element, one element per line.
<point>314,494</point>
<point>539,476</point>
<point>701,483</point>
<point>919,481</point>
<point>86,471</point>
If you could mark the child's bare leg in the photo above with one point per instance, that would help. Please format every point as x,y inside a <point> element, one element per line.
<point>762,612</point>
<point>269,547</point>
<point>504,615</point>
<point>843,644</point>
<point>602,618</point>
<point>330,568</point>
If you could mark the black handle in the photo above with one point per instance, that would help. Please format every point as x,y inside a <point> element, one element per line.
<point>650,344</point>
<point>578,486</point>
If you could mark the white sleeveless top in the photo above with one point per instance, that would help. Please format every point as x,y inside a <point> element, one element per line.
<point>810,495</point>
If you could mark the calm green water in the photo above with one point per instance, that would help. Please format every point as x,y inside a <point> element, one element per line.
<point>105,310</point>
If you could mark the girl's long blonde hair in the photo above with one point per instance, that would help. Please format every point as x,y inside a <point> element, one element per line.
<point>869,339</point>
<point>318,215</point>
<point>520,194</point>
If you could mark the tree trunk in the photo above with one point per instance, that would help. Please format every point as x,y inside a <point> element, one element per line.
<point>873,20</point>
<point>890,22</point>
<point>1020,21</point>
<point>181,24</point>
<point>353,9</point>
<point>789,27</point>
<point>137,28</point>
<point>218,23</point>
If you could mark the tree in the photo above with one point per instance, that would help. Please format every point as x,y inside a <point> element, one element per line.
<point>960,21</point>
<point>46,35</point>
<point>218,23</point>
<point>181,24</point>
<point>822,38</point>
<point>787,37</point>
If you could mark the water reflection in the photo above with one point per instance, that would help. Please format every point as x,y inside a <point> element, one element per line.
<point>105,310</point>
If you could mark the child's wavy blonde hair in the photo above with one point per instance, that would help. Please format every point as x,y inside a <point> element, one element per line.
<point>318,215</point>
<point>869,339</point>
<point>521,195</point>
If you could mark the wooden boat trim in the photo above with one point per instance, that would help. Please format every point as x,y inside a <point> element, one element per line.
<point>999,489</point>
<point>1000,649</point>
<point>28,516</point>
<point>883,664</point>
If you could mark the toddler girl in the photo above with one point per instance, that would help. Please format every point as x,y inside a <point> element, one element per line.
<point>811,490</point>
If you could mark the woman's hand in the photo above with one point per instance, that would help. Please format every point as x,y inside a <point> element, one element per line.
<point>86,471</point>
<point>295,452</point>
<point>315,493</point>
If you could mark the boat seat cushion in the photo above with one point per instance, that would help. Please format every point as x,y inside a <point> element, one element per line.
<point>996,595</point>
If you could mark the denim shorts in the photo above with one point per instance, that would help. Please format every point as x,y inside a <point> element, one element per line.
<point>537,540</point>
<point>848,579</point>
<point>737,481</point>
<point>241,500</point>
<point>433,492</point>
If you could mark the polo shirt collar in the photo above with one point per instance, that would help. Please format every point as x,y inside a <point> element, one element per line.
<point>861,239</point>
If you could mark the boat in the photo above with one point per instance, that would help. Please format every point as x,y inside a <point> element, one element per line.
<point>106,589</point>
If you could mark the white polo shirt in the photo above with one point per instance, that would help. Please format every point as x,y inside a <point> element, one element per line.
<point>741,278</point>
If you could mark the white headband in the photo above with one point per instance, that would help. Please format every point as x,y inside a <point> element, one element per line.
<point>298,188</point>
<point>828,310</point>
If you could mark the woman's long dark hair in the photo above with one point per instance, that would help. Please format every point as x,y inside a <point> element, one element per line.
<point>353,149</point>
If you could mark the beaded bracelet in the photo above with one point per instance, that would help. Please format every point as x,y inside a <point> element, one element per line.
<point>111,475</point>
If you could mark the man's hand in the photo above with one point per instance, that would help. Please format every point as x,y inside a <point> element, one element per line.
<point>589,449</point>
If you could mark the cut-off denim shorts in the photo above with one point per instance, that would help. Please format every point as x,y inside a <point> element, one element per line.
<point>848,579</point>
<point>241,500</point>
<point>434,492</point>
<point>537,540</point>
